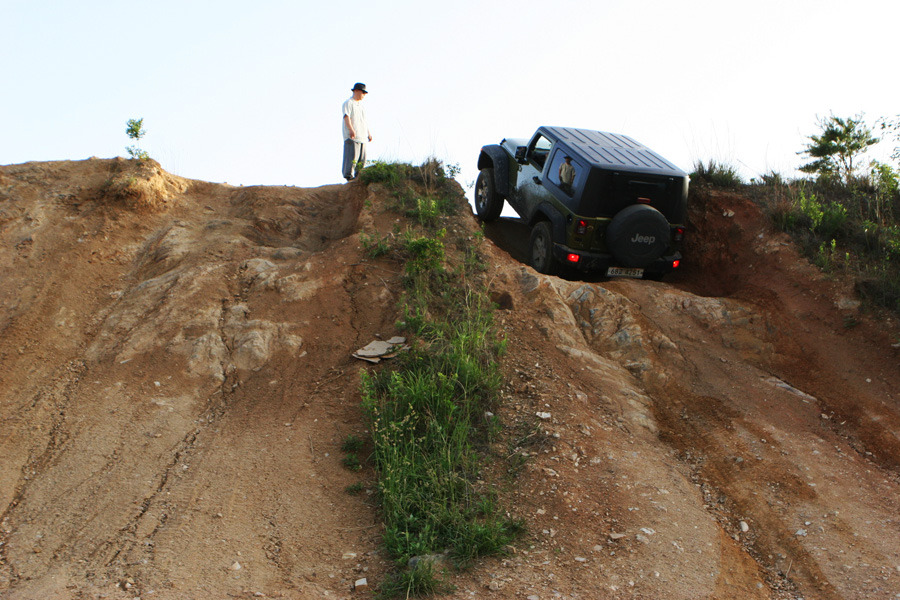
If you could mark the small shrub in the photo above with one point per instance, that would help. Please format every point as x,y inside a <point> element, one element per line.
<point>427,212</point>
<point>434,176</point>
<point>784,213</point>
<point>886,193</point>
<point>351,461</point>
<point>891,240</point>
<point>811,208</point>
<point>425,254</point>
<point>391,174</point>
<point>135,130</point>
<point>834,216</point>
<point>374,246</point>
<point>355,489</point>
<point>417,581</point>
<point>824,218</point>
<point>717,174</point>
<point>824,258</point>
<point>773,179</point>
<point>352,443</point>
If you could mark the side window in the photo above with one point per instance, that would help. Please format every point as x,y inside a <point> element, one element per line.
<point>564,171</point>
<point>538,150</point>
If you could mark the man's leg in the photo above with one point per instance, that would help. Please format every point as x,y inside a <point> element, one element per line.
<point>349,159</point>
<point>361,158</point>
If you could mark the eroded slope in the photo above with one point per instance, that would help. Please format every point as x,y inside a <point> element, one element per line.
<point>176,383</point>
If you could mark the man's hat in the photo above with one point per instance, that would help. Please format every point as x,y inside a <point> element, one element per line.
<point>361,87</point>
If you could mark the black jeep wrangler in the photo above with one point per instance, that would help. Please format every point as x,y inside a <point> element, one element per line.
<point>594,201</point>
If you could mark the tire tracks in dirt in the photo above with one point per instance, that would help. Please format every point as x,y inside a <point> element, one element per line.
<point>126,540</point>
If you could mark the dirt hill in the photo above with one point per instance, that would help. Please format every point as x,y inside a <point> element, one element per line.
<point>177,381</point>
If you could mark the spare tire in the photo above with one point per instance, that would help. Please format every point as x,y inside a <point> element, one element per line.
<point>637,236</point>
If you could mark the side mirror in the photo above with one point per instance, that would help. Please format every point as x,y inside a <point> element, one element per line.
<point>520,154</point>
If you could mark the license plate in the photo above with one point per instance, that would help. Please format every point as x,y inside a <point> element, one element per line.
<point>624,272</point>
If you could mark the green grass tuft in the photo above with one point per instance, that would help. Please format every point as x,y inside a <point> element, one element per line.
<point>716,174</point>
<point>426,416</point>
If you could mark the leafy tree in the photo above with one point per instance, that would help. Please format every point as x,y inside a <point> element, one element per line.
<point>835,151</point>
<point>891,127</point>
<point>135,130</point>
<point>886,183</point>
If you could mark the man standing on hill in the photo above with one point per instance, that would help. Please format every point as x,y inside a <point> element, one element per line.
<point>356,132</point>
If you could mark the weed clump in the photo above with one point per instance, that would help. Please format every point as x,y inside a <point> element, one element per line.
<point>423,193</point>
<point>425,416</point>
<point>716,174</point>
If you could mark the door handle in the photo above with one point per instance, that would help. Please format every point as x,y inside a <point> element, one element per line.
<point>536,179</point>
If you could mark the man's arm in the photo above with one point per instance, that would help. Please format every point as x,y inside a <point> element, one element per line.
<point>350,127</point>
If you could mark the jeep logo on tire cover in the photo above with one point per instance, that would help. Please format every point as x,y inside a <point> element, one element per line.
<point>643,239</point>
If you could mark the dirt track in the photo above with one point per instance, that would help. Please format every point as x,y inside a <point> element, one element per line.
<point>176,383</point>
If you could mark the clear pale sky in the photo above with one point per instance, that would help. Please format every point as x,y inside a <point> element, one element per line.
<point>250,92</point>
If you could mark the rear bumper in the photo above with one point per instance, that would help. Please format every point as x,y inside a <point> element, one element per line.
<point>600,262</point>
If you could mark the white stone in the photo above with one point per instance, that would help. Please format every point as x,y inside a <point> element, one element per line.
<point>376,348</point>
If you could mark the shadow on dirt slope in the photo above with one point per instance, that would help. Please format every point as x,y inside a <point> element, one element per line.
<point>176,384</point>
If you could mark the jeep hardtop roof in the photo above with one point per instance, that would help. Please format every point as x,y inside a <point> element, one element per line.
<point>611,150</point>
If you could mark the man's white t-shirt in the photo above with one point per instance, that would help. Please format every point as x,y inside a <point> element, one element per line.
<point>354,109</point>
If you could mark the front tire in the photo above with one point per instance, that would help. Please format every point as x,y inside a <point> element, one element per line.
<point>542,258</point>
<point>488,204</point>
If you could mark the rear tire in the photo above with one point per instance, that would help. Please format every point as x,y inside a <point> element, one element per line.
<point>542,258</point>
<point>488,205</point>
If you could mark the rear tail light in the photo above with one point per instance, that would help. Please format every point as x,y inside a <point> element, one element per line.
<point>581,227</point>
<point>678,235</point>
<point>675,264</point>
<point>573,258</point>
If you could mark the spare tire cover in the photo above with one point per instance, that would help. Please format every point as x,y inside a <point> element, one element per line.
<point>637,236</point>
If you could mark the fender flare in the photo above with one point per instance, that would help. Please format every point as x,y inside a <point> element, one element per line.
<point>546,212</point>
<point>495,157</point>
